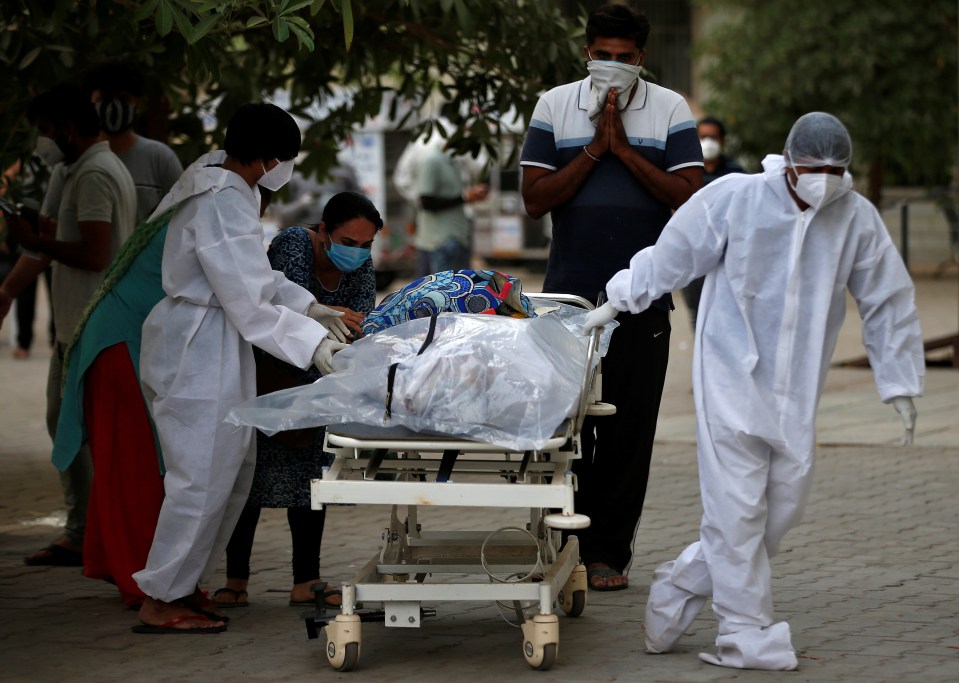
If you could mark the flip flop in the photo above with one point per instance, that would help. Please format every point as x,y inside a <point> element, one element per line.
<point>327,594</point>
<point>203,605</point>
<point>57,556</point>
<point>237,595</point>
<point>170,626</point>
<point>603,571</point>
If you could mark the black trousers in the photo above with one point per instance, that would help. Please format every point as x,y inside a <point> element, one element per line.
<point>306,530</point>
<point>26,310</point>
<point>617,449</point>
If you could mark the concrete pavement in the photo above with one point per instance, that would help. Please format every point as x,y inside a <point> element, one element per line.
<point>869,581</point>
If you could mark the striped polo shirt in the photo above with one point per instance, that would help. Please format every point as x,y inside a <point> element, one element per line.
<point>612,216</point>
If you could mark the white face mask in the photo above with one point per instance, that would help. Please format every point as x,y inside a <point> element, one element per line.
<point>818,189</point>
<point>711,148</point>
<point>607,74</point>
<point>278,176</point>
<point>48,151</point>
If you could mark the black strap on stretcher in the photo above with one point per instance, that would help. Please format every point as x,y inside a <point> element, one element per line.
<point>449,456</point>
<point>391,375</point>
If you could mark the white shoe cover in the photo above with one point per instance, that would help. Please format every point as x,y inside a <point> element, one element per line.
<point>769,649</point>
<point>670,610</point>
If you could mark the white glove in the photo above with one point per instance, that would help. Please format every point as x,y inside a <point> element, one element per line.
<point>598,317</point>
<point>331,320</point>
<point>323,356</point>
<point>907,411</point>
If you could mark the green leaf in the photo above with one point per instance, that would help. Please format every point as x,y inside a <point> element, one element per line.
<point>316,7</point>
<point>300,4</point>
<point>256,21</point>
<point>203,26</point>
<point>347,10</point>
<point>164,19</point>
<point>281,29</point>
<point>29,57</point>
<point>145,10</point>
<point>303,37</point>
<point>183,24</point>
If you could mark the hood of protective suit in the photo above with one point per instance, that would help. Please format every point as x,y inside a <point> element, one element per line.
<point>202,175</point>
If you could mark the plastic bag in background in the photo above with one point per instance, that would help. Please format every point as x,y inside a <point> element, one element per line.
<point>493,379</point>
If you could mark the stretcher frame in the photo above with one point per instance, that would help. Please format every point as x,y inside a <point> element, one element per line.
<point>486,475</point>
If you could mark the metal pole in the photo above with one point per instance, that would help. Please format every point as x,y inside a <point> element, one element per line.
<point>904,232</point>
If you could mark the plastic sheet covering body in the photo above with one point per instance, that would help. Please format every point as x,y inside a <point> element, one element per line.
<point>504,381</point>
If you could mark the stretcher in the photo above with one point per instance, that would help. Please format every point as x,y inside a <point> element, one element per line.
<point>525,569</point>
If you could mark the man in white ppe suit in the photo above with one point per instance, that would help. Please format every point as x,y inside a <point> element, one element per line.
<point>777,249</point>
<point>222,297</point>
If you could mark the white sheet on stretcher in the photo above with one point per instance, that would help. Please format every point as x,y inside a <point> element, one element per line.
<point>493,379</point>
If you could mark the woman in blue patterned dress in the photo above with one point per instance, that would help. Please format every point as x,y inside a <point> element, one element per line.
<point>333,262</point>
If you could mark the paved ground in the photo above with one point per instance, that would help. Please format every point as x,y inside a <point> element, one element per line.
<point>869,581</point>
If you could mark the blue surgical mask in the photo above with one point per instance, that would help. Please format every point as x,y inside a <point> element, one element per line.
<point>347,259</point>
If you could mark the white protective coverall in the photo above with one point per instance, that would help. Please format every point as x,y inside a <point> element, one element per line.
<point>197,363</point>
<point>771,309</point>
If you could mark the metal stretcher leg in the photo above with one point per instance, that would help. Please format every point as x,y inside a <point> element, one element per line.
<point>446,466</point>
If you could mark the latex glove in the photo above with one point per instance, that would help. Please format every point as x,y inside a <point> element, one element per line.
<point>907,411</point>
<point>598,317</point>
<point>323,356</point>
<point>331,320</point>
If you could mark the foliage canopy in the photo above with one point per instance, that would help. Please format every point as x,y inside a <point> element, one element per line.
<point>886,69</point>
<point>334,58</point>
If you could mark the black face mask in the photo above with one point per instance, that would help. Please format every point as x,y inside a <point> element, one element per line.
<point>116,116</point>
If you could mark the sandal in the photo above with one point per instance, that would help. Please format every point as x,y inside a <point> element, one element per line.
<point>329,594</point>
<point>603,571</point>
<point>55,555</point>
<point>239,598</point>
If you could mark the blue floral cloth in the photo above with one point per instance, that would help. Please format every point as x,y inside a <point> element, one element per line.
<point>451,291</point>
<point>282,475</point>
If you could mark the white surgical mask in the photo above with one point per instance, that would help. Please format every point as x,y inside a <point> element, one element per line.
<point>48,151</point>
<point>607,74</point>
<point>818,189</point>
<point>278,176</point>
<point>711,148</point>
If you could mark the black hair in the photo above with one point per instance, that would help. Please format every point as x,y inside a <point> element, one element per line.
<point>617,21</point>
<point>713,121</point>
<point>260,130</point>
<point>345,206</point>
<point>62,104</point>
<point>114,77</point>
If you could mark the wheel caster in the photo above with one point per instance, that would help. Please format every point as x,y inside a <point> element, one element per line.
<point>343,641</point>
<point>541,641</point>
<point>572,597</point>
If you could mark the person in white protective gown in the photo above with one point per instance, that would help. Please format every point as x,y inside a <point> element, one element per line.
<point>778,249</point>
<point>196,362</point>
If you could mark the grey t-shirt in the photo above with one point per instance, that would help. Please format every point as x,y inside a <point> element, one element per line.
<point>438,176</point>
<point>97,187</point>
<point>154,167</point>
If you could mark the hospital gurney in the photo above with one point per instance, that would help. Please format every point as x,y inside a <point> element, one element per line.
<point>434,470</point>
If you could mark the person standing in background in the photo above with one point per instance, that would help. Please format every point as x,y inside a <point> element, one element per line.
<point>95,216</point>
<point>712,137</point>
<point>608,199</point>
<point>442,236</point>
<point>116,89</point>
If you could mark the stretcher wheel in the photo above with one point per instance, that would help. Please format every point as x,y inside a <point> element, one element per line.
<point>572,597</point>
<point>541,641</point>
<point>573,604</point>
<point>343,641</point>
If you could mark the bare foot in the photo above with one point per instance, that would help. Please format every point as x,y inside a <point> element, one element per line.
<point>602,577</point>
<point>301,593</point>
<point>155,612</point>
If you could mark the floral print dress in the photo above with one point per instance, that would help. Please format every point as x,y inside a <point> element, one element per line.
<point>282,476</point>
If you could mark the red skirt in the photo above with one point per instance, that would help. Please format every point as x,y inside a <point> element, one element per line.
<point>127,489</point>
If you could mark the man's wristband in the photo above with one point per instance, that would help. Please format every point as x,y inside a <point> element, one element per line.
<point>585,149</point>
